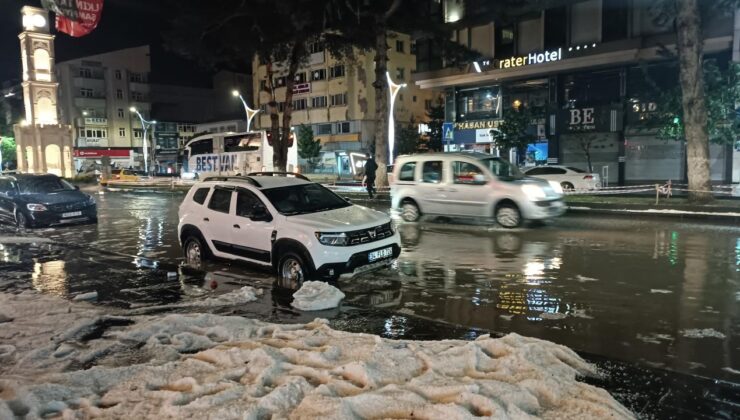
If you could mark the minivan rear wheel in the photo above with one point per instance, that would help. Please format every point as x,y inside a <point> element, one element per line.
<point>410,212</point>
<point>508,216</point>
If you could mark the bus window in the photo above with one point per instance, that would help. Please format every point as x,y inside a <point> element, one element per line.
<point>201,147</point>
<point>244,143</point>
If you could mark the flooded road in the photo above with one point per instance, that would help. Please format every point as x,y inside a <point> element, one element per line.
<point>650,291</point>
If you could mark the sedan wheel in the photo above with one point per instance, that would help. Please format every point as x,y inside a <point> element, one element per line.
<point>567,186</point>
<point>508,216</point>
<point>410,212</point>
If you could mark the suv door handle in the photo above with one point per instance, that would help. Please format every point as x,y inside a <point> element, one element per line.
<point>237,226</point>
<point>205,219</point>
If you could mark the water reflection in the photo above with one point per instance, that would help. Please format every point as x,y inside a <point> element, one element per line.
<point>50,277</point>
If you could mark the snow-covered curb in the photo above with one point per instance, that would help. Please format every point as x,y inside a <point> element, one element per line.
<point>209,366</point>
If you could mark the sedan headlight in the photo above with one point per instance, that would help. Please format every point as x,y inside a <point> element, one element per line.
<point>534,192</point>
<point>36,207</point>
<point>556,187</point>
<point>332,239</point>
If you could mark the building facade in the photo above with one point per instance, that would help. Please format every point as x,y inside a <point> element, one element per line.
<point>588,69</point>
<point>336,97</point>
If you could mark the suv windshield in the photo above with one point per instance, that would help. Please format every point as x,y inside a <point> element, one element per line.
<point>304,198</point>
<point>43,185</point>
<point>502,169</point>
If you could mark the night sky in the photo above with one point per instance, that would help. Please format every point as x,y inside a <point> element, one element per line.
<point>123,24</point>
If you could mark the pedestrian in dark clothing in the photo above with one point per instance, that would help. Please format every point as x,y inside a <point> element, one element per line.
<point>370,168</point>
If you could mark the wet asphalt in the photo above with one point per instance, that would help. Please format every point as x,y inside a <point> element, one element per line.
<point>648,295</point>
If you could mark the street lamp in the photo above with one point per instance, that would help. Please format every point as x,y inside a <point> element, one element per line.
<point>249,111</point>
<point>394,88</point>
<point>145,125</point>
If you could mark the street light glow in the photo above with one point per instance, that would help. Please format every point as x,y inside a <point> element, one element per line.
<point>249,111</point>
<point>393,90</point>
<point>132,109</point>
<point>235,92</point>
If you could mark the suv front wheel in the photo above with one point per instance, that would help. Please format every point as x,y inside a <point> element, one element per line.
<point>196,251</point>
<point>292,271</point>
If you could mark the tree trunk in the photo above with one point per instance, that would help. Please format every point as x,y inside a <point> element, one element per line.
<point>381,106</point>
<point>274,116</point>
<point>690,55</point>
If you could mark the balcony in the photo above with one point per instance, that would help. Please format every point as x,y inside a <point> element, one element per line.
<point>95,74</point>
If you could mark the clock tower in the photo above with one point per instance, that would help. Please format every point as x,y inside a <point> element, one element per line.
<point>43,145</point>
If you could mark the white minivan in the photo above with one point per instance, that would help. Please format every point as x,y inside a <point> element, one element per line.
<point>475,185</point>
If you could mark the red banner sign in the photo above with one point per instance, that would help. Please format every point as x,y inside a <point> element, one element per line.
<point>75,17</point>
<point>96,153</point>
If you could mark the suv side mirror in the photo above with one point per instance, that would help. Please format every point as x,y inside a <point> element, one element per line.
<point>77,187</point>
<point>260,214</point>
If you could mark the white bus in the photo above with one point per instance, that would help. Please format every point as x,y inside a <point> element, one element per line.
<point>215,154</point>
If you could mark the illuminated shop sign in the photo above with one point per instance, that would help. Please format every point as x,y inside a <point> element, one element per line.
<point>477,125</point>
<point>531,58</point>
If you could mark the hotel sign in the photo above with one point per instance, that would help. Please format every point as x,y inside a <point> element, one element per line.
<point>532,58</point>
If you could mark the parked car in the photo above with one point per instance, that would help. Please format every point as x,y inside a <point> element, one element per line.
<point>299,228</point>
<point>471,185</point>
<point>568,177</point>
<point>42,200</point>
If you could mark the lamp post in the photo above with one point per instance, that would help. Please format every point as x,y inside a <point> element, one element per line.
<point>249,111</point>
<point>394,88</point>
<point>145,125</point>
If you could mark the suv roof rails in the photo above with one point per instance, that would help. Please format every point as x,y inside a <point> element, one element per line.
<point>297,175</point>
<point>233,178</point>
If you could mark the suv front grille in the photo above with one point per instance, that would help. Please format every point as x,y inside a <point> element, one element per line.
<point>79,205</point>
<point>373,234</point>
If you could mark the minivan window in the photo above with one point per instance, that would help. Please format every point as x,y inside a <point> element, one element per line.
<point>220,200</point>
<point>467,173</point>
<point>432,172</point>
<point>200,195</point>
<point>407,171</point>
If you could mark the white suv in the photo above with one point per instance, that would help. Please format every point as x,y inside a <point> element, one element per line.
<point>299,228</point>
<point>471,185</point>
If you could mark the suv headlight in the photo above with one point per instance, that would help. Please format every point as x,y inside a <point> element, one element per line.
<point>36,207</point>
<point>534,192</point>
<point>332,239</point>
<point>394,226</point>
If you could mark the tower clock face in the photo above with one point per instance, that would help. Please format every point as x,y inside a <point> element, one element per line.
<point>34,21</point>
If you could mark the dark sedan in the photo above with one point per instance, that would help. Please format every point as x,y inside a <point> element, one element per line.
<point>42,200</point>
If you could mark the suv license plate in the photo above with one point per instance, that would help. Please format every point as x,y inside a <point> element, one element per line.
<point>382,253</point>
<point>72,214</point>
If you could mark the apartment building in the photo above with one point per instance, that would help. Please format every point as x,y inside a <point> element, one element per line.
<point>589,65</point>
<point>336,97</point>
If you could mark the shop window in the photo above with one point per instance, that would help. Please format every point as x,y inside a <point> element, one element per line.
<point>478,103</point>
<point>594,88</point>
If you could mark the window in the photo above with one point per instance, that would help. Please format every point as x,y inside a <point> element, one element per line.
<point>137,96</point>
<point>343,128</point>
<point>137,78</point>
<point>300,77</point>
<point>478,103</point>
<point>504,42</point>
<point>585,22</point>
<point>467,173</point>
<point>428,104</point>
<point>414,98</point>
<point>318,102</point>
<point>86,92</point>
<point>263,84</point>
<point>92,133</point>
<point>138,133</point>
<point>200,195</point>
<point>119,94</point>
<point>413,48</point>
<point>315,47</point>
<point>432,172</point>
<point>120,113</point>
<point>323,129</point>
<point>529,36</point>
<point>280,81</point>
<point>118,74</point>
<point>85,72</point>
<point>281,106</point>
<point>400,73</point>
<point>336,71</point>
<point>246,203</point>
<point>399,46</point>
<point>319,74</point>
<point>614,20</point>
<point>300,104</point>
<point>220,200</point>
<point>121,132</point>
<point>556,27</point>
<point>407,171</point>
<point>339,99</point>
